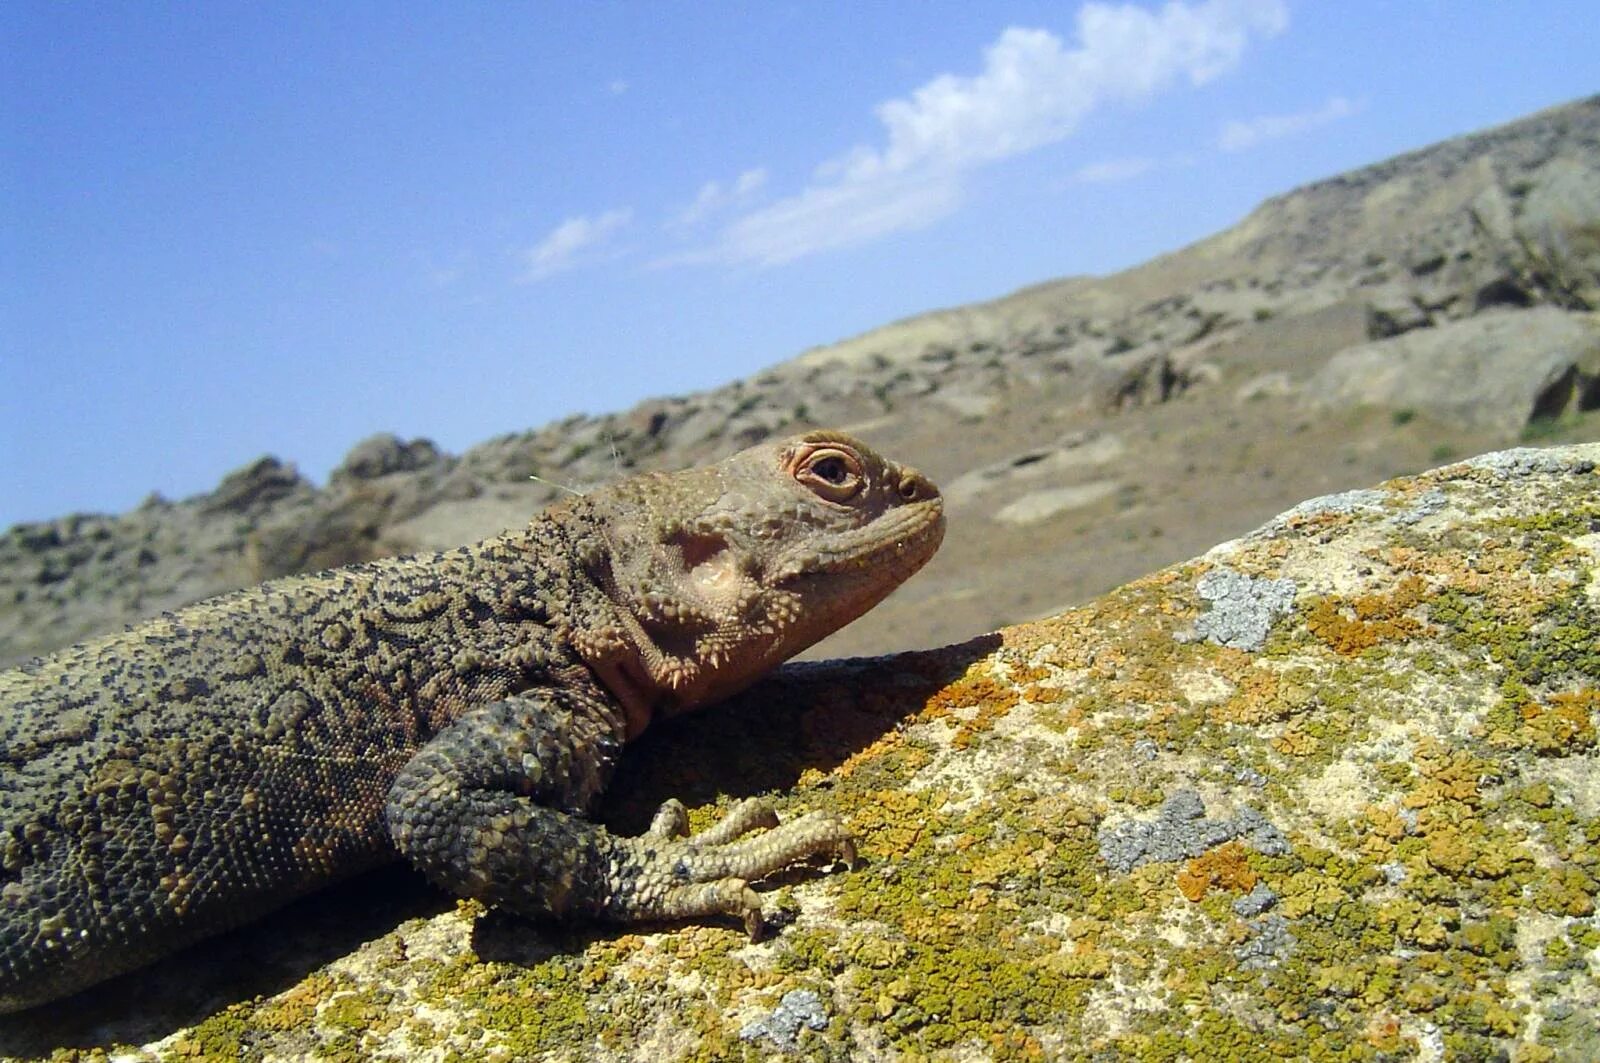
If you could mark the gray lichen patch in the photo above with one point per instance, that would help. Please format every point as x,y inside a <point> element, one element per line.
<point>1180,830</point>
<point>1422,507</point>
<point>1520,462</point>
<point>1344,503</point>
<point>800,1009</point>
<point>1243,607</point>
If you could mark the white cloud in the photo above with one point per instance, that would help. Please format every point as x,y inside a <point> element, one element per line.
<point>617,87</point>
<point>713,198</point>
<point>825,217</point>
<point>749,181</point>
<point>441,270</point>
<point>1033,91</point>
<point>567,244</point>
<point>1237,136</point>
<point>1114,170</point>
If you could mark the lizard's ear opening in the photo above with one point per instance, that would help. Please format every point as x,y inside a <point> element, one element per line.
<point>696,548</point>
<point>710,587</point>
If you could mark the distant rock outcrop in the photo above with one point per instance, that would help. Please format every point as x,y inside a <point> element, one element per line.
<point>1332,789</point>
<point>1502,369</point>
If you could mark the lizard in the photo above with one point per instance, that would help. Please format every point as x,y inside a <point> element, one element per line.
<point>461,710</point>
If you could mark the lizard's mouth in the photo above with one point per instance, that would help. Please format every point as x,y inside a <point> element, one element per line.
<point>906,536</point>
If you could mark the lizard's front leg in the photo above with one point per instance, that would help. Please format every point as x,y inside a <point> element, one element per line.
<point>492,808</point>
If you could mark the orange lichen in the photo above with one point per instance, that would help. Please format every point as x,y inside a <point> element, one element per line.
<point>1383,1032</point>
<point>1563,726</point>
<point>977,700</point>
<point>1447,775</point>
<point>1385,827</point>
<point>1226,867</point>
<point>1490,569</point>
<point>1351,625</point>
<point>1295,743</point>
<point>890,822</point>
<point>978,688</point>
<point>1260,696</point>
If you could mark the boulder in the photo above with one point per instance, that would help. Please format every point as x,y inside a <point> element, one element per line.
<point>1560,224</point>
<point>1331,789</point>
<point>1497,370</point>
<point>383,454</point>
<point>255,487</point>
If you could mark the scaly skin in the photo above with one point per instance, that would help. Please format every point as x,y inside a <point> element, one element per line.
<point>463,710</point>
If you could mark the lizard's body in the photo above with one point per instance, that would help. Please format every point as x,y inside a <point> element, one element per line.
<point>463,709</point>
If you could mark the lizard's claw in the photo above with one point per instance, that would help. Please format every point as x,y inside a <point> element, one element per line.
<point>671,875</point>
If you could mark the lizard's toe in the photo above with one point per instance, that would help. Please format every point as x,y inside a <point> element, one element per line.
<point>670,821</point>
<point>748,815</point>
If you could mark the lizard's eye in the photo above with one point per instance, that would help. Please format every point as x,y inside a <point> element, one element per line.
<point>832,469</point>
<point>833,474</point>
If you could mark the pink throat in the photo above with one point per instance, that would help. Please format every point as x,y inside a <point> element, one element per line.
<point>635,692</point>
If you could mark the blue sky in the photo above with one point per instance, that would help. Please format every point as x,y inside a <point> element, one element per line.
<point>229,229</point>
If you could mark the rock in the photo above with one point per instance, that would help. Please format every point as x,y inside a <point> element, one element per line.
<point>1560,219</point>
<point>702,425</point>
<point>254,487</point>
<point>655,419</point>
<point>1497,370</point>
<point>753,422</point>
<point>1077,451</point>
<point>308,541</point>
<point>1243,609</point>
<point>1492,210</point>
<point>1393,311</point>
<point>1371,830</point>
<point>1180,831</point>
<point>800,1009</point>
<point>966,404</point>
<point>442,527</point>
<point>1150,380</point>
<point>512,458</point>
<point>1038,506</point>
<point>1274,385</point>
<point>385,453</point>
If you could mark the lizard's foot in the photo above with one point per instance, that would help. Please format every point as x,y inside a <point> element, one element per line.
<point>668,874</point>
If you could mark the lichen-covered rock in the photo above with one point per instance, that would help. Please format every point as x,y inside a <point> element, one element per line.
<point>1127,832</point>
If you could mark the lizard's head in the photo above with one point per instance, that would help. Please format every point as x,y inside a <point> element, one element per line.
<point>721,572</point>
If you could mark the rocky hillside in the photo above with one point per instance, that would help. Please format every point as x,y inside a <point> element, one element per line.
<point>1437,304</point>
<point>1330,791</point>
